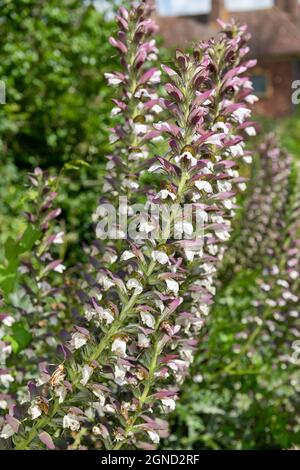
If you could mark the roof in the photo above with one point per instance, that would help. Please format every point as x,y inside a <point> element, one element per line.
<point>273,31</point>
<point>180,31</point>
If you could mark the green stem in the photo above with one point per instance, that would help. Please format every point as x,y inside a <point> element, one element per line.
<point>143,398</point>
<point>23,444</point>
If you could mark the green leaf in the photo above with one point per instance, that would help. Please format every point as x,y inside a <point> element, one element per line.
<point>30,236</point>
<point>10,249</point>
<point>20,338</point>
<point>75,165</point>
<point>14,344</point>
<point>8,281</point>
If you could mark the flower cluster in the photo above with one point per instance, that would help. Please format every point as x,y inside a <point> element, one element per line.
<point>248,365</point>
<point>33,313</point>
<point>280,284</point>
<point>264,213</point>
<point>275,319</point>
<point>145,299</point>
<point>269,243</point>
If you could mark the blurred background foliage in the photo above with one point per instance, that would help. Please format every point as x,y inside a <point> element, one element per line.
<point>253,407</point>
<point>243,392</point>
<point>53,55</point>
<point>53,58</point>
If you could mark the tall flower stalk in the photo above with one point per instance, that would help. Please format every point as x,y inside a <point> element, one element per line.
<point>271,236</point>
<point>148,291</point>
<point>280,284</point>
<point>248,362</point>
<point>34,313</point>
<point>265,211</point>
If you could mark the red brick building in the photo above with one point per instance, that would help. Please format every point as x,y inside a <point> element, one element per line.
<point>275,43</point>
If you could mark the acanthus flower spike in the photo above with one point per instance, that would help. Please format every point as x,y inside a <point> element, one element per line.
<point>264,214</point>
<point>146,297</point>
<point>31,326</point>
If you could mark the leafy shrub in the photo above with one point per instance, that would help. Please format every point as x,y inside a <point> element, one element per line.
<point>57,101</point>
<point>53,58</point>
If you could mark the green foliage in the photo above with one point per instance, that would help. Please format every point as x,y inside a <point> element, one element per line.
<point>20,338</point>
<point>287,129</point>
<point>53,58</point>
<point>13,249</point>
<point>290,131</point>
<point>53,55</point>
<point>244,387</point>
<point>11,203</point>
<point>248,406</point>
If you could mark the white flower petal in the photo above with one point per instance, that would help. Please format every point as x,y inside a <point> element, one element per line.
<point>172,285</point>
<point>160,256</point>
<point>119,347</point>
<point>204,186</point>
<point>71,421</point>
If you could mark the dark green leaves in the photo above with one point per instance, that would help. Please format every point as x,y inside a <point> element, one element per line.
<point>13,250</point>
<point>20,337</point>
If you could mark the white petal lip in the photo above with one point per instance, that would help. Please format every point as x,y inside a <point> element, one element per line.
<point>160,257</point>
<point>119,347</point>
<point>154,437</point>
<point>204,186</point>
<point>78,340</point>
<point>241,114</point>
<point>148,319</point>
<point>188,156</point>
<point>220,125</point>
<point>155,77</point>
<point>134,284</point>
<point>183,227</point>
<point>60,268</point>
<point>143,341</point>
<point>146,227</point>
<point>70,421</point>
<point>59,240</point>
<point>251,131</point>
<point>172,285</point>
<point>86,374</point>
<point>169,403</point>
<point>7,432</point>
<point>214,139</point>
<point>127,255</point>
<point>251,99</point>
<point>164,193</point>
<point>34,411</point>
<point>112,79</point>
<point>140,128</point>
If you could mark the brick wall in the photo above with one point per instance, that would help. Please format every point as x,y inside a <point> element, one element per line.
<point>280,75</point>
